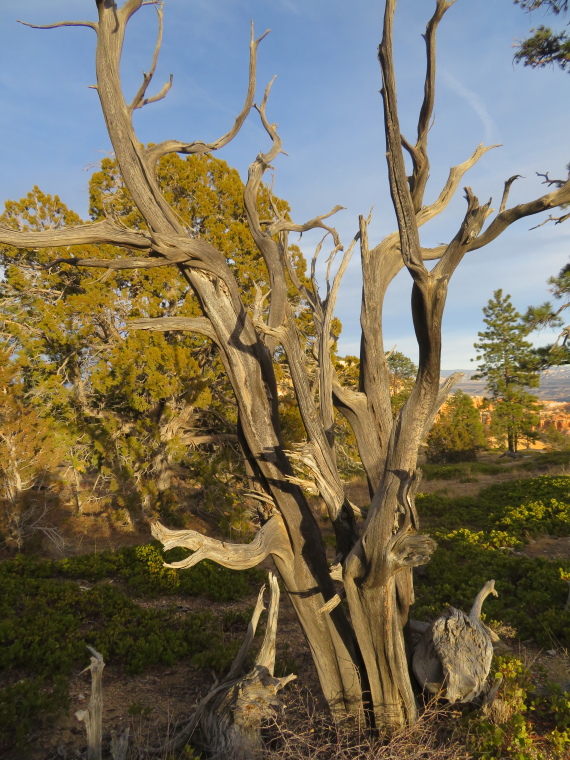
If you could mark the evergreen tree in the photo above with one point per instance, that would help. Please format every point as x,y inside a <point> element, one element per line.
<point>545,45</point>
<point>509,365</point>
<point>30,449</point>
<point>402,378</point>
<point>458,433</point>
<point>135,405</point>
<point>548,315</point>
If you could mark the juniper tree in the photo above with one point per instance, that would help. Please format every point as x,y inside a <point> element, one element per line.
<point>132,403</point>
<point>360,657</point>
<point>458,432</point>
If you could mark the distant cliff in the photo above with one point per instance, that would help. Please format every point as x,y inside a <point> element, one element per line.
<point>554,384</point>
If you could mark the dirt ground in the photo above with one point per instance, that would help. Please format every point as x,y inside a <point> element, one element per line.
<point>157,703</point>
<point>153,705</point>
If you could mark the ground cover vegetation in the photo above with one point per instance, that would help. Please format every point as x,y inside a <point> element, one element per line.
<point>52,608</point>
<point>280,326</point>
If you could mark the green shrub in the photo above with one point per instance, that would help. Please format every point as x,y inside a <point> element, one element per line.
<point>521,507</point>
<point>462,470</point>
<point>47,619</point>
<point>26,704</point>
<point>531,592</point>
<point>141,569</point>
<point>524,725</point>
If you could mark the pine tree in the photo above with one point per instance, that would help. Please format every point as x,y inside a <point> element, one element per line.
<point>458,432</point>
<point>549,315</point>
<point>509,365</point>
<point>545,46</point>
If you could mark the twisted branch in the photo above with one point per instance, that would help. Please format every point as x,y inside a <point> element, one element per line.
<point>270,539</point>
<point>175,146</point>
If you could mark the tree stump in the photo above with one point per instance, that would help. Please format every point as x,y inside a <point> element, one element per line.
<point>92,717</point>
<point>453,656</point>
<point>231,715</point>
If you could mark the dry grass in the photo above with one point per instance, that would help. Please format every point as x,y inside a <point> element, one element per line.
<point>305,733</point>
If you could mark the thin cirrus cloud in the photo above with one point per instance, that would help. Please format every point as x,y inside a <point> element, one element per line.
<point>474,101</point>
<point>327,105</point>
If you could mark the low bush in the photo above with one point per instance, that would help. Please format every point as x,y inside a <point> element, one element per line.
<point>478,538</point>
<point>462,470</point>
<point>47,619</point>
<point>522,508</point>
<point>531,592</point>
<point>141,569</point>
<point>520,724</point>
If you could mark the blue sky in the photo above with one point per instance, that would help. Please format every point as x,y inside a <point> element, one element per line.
<point>326,102</point>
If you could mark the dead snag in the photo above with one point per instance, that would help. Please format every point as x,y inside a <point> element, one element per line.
<point>230,716</point>
<point>93,716</point>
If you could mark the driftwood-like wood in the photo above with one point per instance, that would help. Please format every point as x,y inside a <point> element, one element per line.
<point>93,716</point>
<point>361,658</point>
<point>231,715</point>
<point>120,744</point>
<point>453,657</point>
<point>270,539</point>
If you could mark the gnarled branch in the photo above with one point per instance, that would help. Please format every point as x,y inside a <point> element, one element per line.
<point>89,24</point>
<point>104,232</point>
<point>201,325</point>
<point>270,539</point>
<point>175,146</point>
<point>139,100</point>
<point>114,264</point>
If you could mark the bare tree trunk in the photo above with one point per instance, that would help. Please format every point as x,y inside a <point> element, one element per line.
<point>361,661</point>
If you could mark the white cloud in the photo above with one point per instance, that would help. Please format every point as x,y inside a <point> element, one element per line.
<point>474,101</point>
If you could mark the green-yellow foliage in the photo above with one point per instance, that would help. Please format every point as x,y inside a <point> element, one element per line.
<point>130,401</point>
<point>458,432</point>
<point>30,447</point>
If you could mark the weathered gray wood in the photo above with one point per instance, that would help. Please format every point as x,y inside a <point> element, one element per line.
<point>120,744</point>
<point>270,539</point>
<point>453,657</point>
<point>231,723</point>
<point>366,654</point>
<point>231,714</point>
<point>93,716</point>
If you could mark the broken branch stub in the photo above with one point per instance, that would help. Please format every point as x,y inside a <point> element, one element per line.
<point>230,716</point>
<point>93,716</point>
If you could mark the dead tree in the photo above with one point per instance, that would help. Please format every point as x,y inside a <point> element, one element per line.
<point>93,716</point>
<point>361,657</point>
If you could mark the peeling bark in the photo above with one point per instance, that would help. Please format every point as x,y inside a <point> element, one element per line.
<point>453,657</point>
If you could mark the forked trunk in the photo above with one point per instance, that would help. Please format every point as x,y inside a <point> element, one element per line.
<point>361,661</point>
